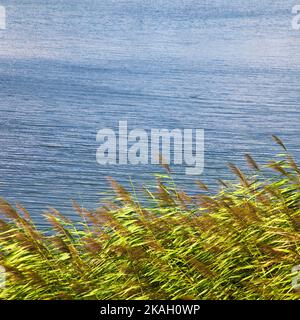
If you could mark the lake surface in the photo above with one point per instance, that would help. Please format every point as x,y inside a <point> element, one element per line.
<point>70,68</point>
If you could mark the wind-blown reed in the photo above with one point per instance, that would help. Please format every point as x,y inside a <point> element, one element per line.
<point>240,243</point>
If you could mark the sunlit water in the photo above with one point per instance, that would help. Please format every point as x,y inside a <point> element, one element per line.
<point>70,68</point>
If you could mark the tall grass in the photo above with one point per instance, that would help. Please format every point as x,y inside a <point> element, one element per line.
<point>240,243</point>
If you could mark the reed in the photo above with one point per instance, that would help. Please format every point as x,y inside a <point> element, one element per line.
<point>240,243</point>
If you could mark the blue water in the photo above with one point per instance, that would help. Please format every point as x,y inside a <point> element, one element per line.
<point>70,68</point>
